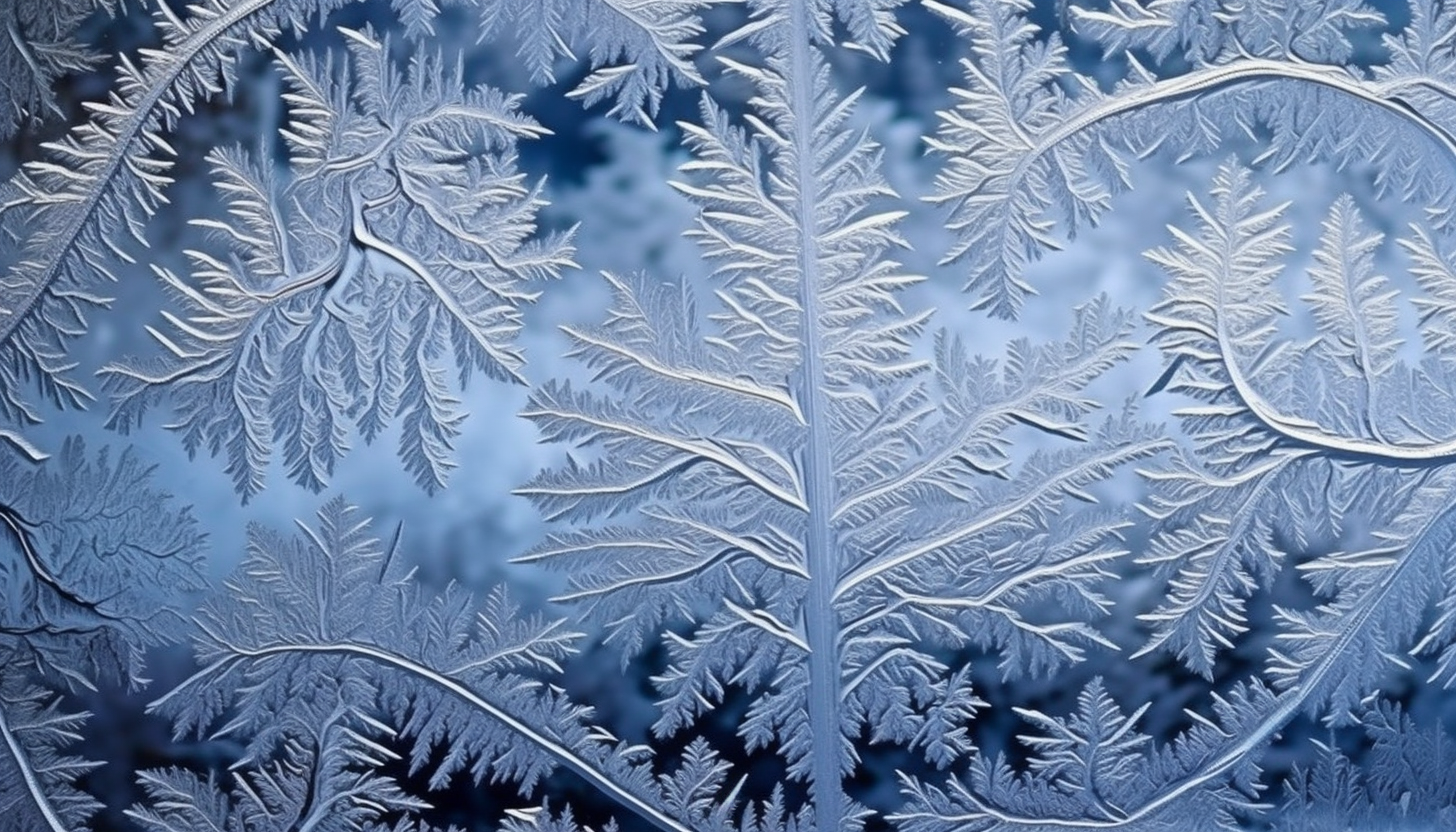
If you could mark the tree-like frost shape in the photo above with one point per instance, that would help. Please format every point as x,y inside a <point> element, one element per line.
<point>96,565</point>
<point>92,548</point>
<point>1349,375</point>
<point>400,246</point>
<point>72,213</point>
<point>803,506</point>
<point>38,777</point>
<point>1093,769</point>
<point>828,511</point>
<point>1333,445</point>
<point>1298,438</point>
<point>70,217</point>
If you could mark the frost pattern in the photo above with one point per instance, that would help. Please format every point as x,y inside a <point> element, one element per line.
<point>1406,782</point>
<point>835,511</point>
<point>38,48</point>
<point>403,238</point>
<point>78,213</point>
<point>813,508</point>
<point>1030,164</point>
<point>96,567</point>
<point>636,49</point>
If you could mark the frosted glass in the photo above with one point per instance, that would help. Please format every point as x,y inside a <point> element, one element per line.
<point>692,415</point>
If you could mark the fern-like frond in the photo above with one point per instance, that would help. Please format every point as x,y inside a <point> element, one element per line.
<point>324,777</point>
<point>1276,428</point>
<point>395,258</point>
<point>868,25</point>
<point>1405,781</point>
<point>1205,30</point>
<point>1094,769</point>
<point>95,566</point>
<point>80,210</point>
<point>1355,311</point>
<point>1335,655</point>
<point>1436,306</point>
<point>1273,432</point>
<point>1285,451</point>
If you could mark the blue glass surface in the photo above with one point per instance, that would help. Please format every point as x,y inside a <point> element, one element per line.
<point>694,415</point>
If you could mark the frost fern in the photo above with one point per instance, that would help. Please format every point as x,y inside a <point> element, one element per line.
<point>400,247</point>
<point>788,498</point>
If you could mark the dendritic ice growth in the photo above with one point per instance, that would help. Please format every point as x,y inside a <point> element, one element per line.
<point>1059,436</point>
